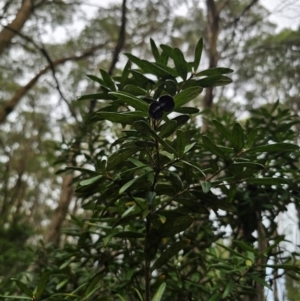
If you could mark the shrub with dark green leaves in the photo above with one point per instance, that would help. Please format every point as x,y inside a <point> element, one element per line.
<point>159,198</point>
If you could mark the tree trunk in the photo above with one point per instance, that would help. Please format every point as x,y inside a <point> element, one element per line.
<point>7,34</point>
<point>53,234</point>
<point>212,38</point>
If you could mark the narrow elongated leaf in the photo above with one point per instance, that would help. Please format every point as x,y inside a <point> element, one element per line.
<point>121,297</point>
<point>180,63</point>
<point>209,145</point>
<point>42,284</point>
<point>260,280</point>
<point>124,118</point>
<point>96,79</point>
<point>222,130</point>
<point>24,288</point>
<point>126,72</point>
<point>187,110</point>
<point>90,180</point>
<point>276,147</point>
<point>198,53</point>
<point>193,166</point>
<point>175,225</point>
<point>131,100</point>
<point>107,80</point>
<point>159,293</point>
<point>267,181</point>
<point>168,129</point>
<point>135,90</point>
<point>186,95</point>
<point>180,142</point>
<point>214,71</point>
<point>101,95</point>
<point>119,158</point>
<point>228,289</point>
<point>214,81</point>
<point>237,137</point>
<point>147,66</point>
<point>128,184</point>
<point>205,186</point>
<point>251,137</point>
<point>142,127</point>
<point>171,86</point>
<point>170,252</point>
<point>154,50</point>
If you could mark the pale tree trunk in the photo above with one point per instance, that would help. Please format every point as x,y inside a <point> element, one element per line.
<point>53,234</point>
<point>212,39</point>
<point>7,34</point>
<point>262,246</point>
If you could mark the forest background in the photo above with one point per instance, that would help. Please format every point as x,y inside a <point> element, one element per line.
<point>48,47</point>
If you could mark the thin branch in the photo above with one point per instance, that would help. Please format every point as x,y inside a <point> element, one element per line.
<point>49,60</point>
<point>121,40</point>
<point>9,106</point>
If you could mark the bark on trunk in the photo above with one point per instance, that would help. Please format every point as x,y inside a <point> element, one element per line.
<point>7,34</point>
<point>53,235</point>
<point>212,38</point>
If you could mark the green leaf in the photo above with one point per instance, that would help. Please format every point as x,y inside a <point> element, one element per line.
<point>187,110</point>
<point>237,139</point>
<point>251,137</point>
<point>170,252</point>
<point>154,50</point>
<point>267,181</point>
<point>96,79</point>
<point>150,197</point>
<point>222,130</point>
<point>24,288</point>
<point>129,234</point>
<point>214,71</point>
<point>41,285</point>
<point>198,53</point>
<point>175,225</point>
<point>135,90</point>
<point>194,165</point>
<point>214,81</point>
<point>125,219</point>
<point>205,186</point>
<point>171,86</point>
<point>228,289</point>
<point>122,298</point>
<point>168,128</point>
<point>145,143</point>
<point>142,127</point>
<point>124,118</point>
<point>126,72</point>
<point>210,146</point>
<point>186,95</point>
<point>90,180</point>
<point>131,100</point>
<point>102,96</point>
<point>180,142</point>
<point>148,67</point>
<point>92,284</point>
<point>259,280</point>
<point>159,293</point>
<point>164,143</point>
<point>180,63</point>
<point>128,184</point>
<point>119,158</point>
<point>215,297</point>
<point>276,147</point>
<point>244,246</point>
<point>138,293</point>
<point>107,80</point>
